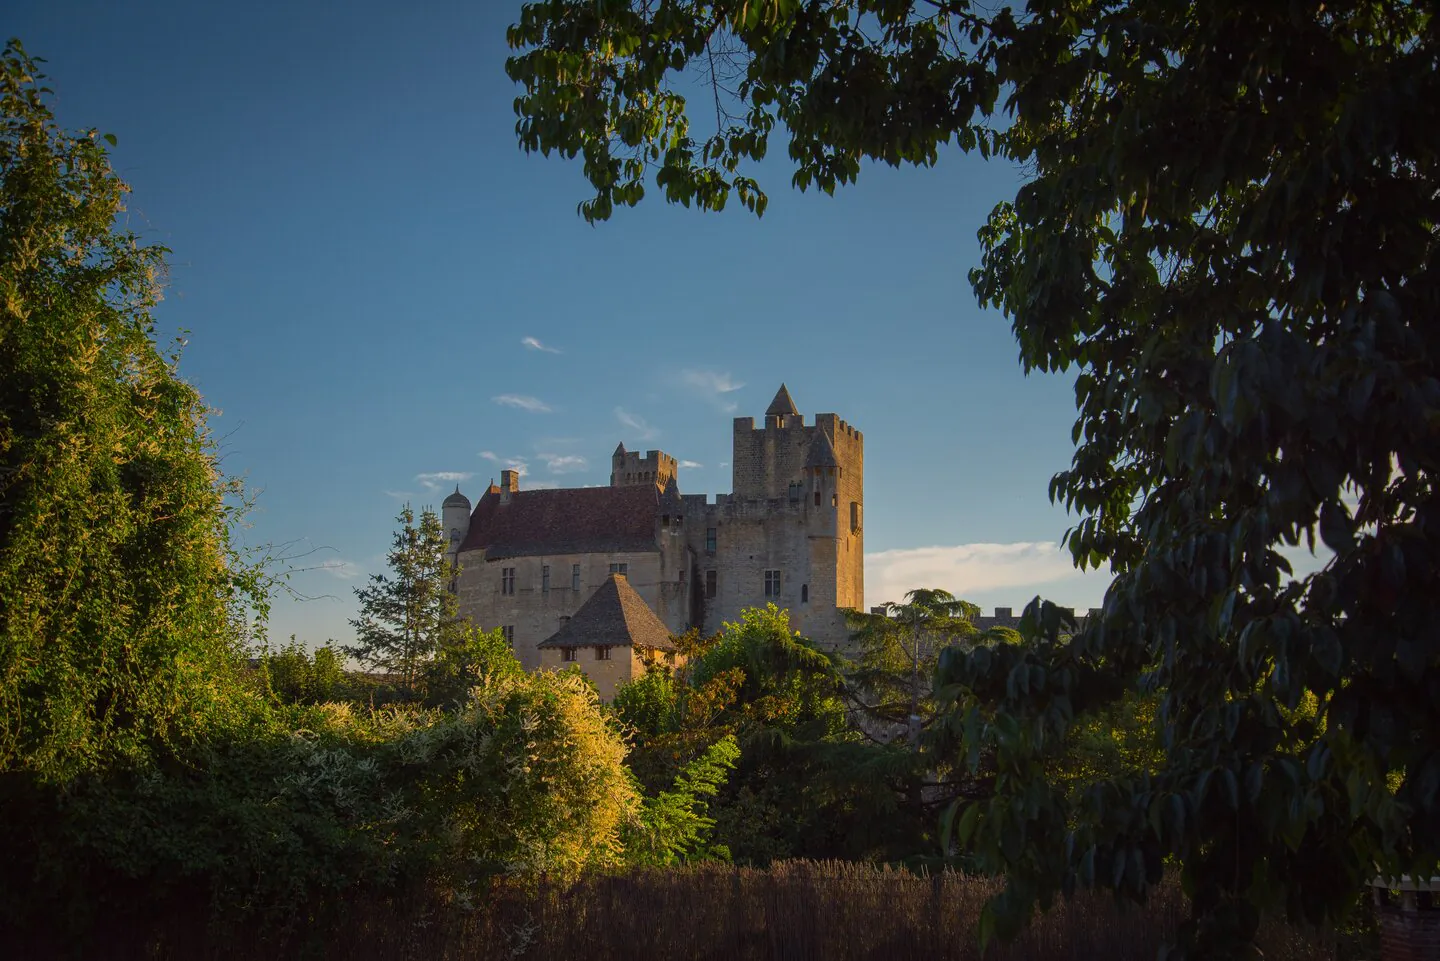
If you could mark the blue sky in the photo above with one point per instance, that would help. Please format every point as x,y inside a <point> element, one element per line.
<point>360,253</point>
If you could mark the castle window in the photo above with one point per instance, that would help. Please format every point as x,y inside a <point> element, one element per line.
<point>602,653</point>
<point>710,539</point>
<point>772,583</point>
<point>817,498</point>
<point>622,569</point>
<point>664,520</point>
<point>804,593</point>
<point>795,492</point>
<point>854,515</point>
<point>545,579</point>
<point>709,583</point>
<point>568,653</point>
<point>574,577</point>
<point>507,580</point>
<point>509,633</point>
<point>834,500</point>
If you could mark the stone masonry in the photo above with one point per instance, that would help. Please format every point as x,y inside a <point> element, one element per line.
<point>791,532</point>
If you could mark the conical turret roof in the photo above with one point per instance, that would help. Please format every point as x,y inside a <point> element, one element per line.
<point>619,450</point>
<point>457,499</point>
<point>783,405</point>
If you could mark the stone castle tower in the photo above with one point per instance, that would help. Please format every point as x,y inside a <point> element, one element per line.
<point>791,533</point>
<point>792,530</point>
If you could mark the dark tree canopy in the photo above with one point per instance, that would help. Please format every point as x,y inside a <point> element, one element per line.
<point>1228,235</point>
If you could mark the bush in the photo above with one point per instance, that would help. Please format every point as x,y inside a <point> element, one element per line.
<point>296,675</point>
<point>310,804</point>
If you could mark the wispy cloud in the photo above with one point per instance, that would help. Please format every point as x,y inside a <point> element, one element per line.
<point>643,431</point>
<point>524,402</point>
<point>344,570</point>
<point>564,463</point>
<point>519,464</point>
<point>533,343</point>
<point>436,480</point>
<point>542,485</point>
<point>1007,574</point>
<point>399,495</point>
<point>690,465</point>
<point>711,385</point>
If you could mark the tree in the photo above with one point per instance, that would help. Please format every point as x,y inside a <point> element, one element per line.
<point>409,614</point>
<point>119,591</point>
<point>475,658</point>
<point>806,784</point>
<point>1229,233</point>
<point>897,649</point>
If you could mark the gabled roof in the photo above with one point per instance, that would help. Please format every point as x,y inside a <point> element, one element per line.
<point>782,405</point>
<point>577,520</point>
<point>822,452</point>
<point>614,616</point>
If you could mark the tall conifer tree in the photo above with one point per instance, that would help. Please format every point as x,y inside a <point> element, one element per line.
<point>407,615</point>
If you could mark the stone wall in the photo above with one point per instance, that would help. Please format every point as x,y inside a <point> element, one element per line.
<point>624,665</point>
<point>536,613</point>
<point>807,523</point>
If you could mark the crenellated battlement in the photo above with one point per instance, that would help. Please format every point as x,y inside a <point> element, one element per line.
<point>628,468</point>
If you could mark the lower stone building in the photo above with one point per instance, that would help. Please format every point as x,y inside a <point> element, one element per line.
<point>613,638</point>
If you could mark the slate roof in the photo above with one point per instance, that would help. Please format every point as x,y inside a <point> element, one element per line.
<point>456,499</point>
<point>782,405</point>
<point>578,520</point>
<point>822,452</point>
<point>614,616</point>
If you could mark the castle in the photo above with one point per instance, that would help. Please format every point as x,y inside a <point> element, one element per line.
<point>791,532</point>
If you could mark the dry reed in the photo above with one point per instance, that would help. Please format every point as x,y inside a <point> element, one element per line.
<point>794,911</point>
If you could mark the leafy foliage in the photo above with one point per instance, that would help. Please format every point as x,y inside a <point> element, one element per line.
<point>296,675</point>
<point>673,824</point>
<point>897,647</point>
<point>1229,233</point>
<point>845,78</point>
<point>473,660</point>
<point>408,615</point>
<point>527,780</point>
<point>807,783</point>
<point>119,592</point>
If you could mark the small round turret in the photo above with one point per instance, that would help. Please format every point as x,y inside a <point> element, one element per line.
<point>457,499</point>
<point>455,518</point>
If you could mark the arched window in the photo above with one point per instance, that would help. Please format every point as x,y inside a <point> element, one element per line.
<point>804,593</point>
